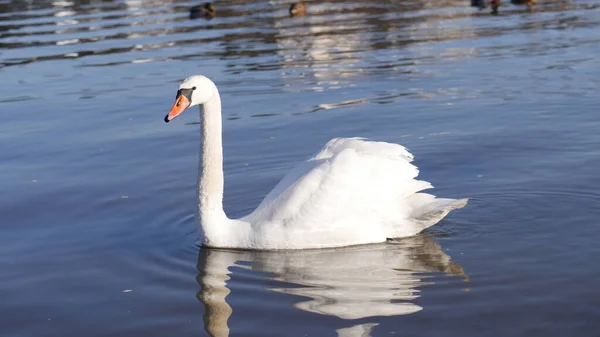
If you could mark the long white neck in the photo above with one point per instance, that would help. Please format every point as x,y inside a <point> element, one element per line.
<point>210,175</point>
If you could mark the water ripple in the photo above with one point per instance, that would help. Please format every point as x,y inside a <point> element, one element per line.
<point>333,31</point>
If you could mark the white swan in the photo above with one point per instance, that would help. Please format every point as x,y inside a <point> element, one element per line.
<point>353,192</point>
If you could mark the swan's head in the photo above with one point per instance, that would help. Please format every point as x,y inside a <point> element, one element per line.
<point>195,90</point>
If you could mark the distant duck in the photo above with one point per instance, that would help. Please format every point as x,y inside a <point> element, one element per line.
<point>529,3</point>
<point>478,3</point>
<point>495,5</point>
<point>207,11</point>
<point>481,4</point>
<point>298,9</point>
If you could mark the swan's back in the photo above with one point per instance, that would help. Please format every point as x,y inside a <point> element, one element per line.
<point>353,191</point>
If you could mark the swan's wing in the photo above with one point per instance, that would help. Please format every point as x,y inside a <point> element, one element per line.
<point>353,191</point>
<point>331,149</point>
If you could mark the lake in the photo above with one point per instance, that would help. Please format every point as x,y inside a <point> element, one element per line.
<point>98,235</point>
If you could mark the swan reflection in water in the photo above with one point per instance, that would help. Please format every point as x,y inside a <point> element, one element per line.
<point>350,283</point>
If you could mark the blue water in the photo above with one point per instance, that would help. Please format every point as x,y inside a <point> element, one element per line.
<point>97,228</point>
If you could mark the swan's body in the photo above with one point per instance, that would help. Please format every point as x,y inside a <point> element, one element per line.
<point>354,191</point>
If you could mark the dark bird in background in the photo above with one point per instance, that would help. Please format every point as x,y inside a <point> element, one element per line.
<point>481,4</point>
<point>529,3</point>
<point>298,9</point>
<point>495,5</point>
<point>478,3</point>
<point>207,11</point>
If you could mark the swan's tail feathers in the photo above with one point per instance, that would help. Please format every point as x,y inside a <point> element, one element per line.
<point>433,212</point>
<point>427,210</point>
<point>448,204</point>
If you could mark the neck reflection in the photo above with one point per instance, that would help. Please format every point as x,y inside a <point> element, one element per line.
<point>349,283</point>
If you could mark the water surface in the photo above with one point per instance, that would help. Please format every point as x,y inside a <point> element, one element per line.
<point>97,228</point>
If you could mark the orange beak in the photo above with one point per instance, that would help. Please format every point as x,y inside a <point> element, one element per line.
<point>181,103</point>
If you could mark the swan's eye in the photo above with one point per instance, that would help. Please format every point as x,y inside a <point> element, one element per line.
<point>194,88</point>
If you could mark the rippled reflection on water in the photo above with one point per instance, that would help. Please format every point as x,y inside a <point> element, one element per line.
<point>336,32</point>
<point>351,283</point>
<point>97,232</point>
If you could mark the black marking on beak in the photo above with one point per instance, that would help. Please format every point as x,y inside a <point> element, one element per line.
<point>187,93</point>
